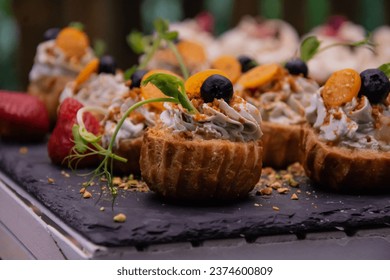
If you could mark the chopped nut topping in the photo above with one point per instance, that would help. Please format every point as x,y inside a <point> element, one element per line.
<point>294,196</point>
<point>283,190</point>
<point>65,174</point>
<point>23,150</point>
<point>120,218</point>
<point>265,191</point>
<point>87,194</point>
<point>275,208</point>
<point>276,185</point>
<point>102,208</point>
<point>82,190</point>
<point>50,180</point>
<point>293,183</point>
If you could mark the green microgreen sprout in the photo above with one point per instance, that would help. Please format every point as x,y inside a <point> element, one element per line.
<point>87,144</point>
<point>385,68</point>
<point>77,25</point>
<point>99,47</point>
<point>147,46</point>
<point>311,46</point>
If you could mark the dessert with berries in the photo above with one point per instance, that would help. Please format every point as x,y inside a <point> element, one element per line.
<point>58,60</point>
<point>347,145</point>
<point>281,95</point>
<point>98,84</point>
<point>129,138</point>
<point>206,147</point>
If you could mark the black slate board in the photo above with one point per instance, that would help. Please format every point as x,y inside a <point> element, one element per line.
<point>150,220</point>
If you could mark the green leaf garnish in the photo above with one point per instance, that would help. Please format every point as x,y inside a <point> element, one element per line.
<point>77,25</point>
<point>148,45</point>
<point>80,144</point>
<point>171,86</point>
<point>385,68</point>
<point>309,47</point>
<point>136,41</point>
<point>99,47</point>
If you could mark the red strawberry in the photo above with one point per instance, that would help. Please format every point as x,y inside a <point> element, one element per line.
<point>22,117</point>
<point>61,140</point>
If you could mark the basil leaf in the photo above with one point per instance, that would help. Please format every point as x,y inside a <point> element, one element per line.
<point>168,84</point>
<point>385,68</point>
<point>309,48</point>
<point>136,42</point>
<point>77,25</point>
<point>172,35</point>
<point>99,47</point>
<point>161,26</point>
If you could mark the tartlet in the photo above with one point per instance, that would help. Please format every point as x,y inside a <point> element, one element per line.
<point>281,99</point>
<point>346,147</point>
<point>58,61</point>
<point>213,154</point>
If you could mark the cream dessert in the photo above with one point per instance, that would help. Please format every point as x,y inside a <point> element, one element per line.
<point>58,61</point>
<point>347,145</point>
<point>210,151</point>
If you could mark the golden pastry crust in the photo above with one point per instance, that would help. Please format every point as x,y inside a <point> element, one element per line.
<point>131,150</point>
<point>49,89</point>
<point>343,169</point>
<point>281,144</point>
<point>195,169</point>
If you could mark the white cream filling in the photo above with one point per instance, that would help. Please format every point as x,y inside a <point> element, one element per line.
<point>241,123</point>
<point>351,125</point>
<point>99,90</point>
<point>50,60</point>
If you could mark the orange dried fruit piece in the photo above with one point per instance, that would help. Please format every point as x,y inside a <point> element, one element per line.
<point>192,52</point>
<point>260,75</point>
<point>228,64</point>
<point>194,83</point>
<point>89,69</point>
<point>73,42</point>
<point>151,91</point>
<point>341,87</point>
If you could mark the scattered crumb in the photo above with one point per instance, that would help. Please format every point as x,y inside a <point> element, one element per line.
<point>257,205</point>
<point>65,174</point>
<point>116,181</point>
<point>283,190</point>
<point>23,150</point>
<point>276,185</point>
<point>50,180</point>
<point>298,191</point>
<point>102,208</point>
<point>82,190</point>
<point>265,191</point>
<point>87,194</point>
<point>275,208</point>
<point>120,218</point>
<point>294,196</point>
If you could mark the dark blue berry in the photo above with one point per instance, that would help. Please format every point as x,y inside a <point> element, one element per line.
<point>375,85</point>
<point>247,63</point>
<point>51,33</point>
<point>107,65</point>
<point>297,66</point>
<point>137,77</point>
<point>216,86</point>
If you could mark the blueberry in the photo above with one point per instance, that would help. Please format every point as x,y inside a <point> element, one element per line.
<point>137,77</point>
<point>297,66</point>
<point>247,63</point>
<point>107,65</point>
<point>375,85</point>
<point>51,33</point>
<point>216,86</point>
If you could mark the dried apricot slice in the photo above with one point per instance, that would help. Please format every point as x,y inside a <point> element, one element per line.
<point>72,41</point>
<point>192,52</point>
<point>194,83</point>
<point>341,87</point>
<point>260,75</point>
<point>151,91</point>
<point>228,64</point>
<point>89,69</point>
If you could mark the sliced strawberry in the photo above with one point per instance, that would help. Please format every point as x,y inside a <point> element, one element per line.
<point>22,117</point>
<point>61,140</point>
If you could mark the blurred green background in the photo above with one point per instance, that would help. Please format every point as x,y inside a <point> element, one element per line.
<point>23,22</point>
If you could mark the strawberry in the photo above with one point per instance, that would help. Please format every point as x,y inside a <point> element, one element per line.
<point>22,117</point>
<point>61,140</point>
